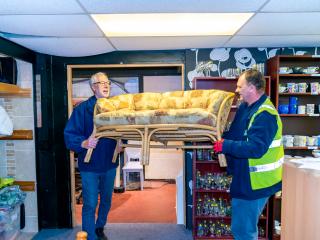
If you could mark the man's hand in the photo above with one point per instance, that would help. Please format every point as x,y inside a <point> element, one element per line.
<point>217,146</point>
<point>91,142</point>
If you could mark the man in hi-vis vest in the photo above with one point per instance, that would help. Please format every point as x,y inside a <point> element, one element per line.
<point>254,154</point>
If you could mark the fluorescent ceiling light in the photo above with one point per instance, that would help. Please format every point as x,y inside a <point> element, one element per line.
<point>170,24</point>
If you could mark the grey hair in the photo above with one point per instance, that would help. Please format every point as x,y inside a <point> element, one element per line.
<point>94,78</point>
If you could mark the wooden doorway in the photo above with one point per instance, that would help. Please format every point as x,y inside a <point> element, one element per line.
<point>81,73</point>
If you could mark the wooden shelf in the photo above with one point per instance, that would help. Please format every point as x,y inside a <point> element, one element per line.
<point>214,162</point>
<point>298,94</point>
<point>213,217</point>
<point>211,191</point>
<point>220,238</point>
<point>10,90</point>
<point>276,237</point>
<point>223,238</point>
<point>299,115</point>
<point>19,135</point>
<point>301,148</point>
<point>299,75</point>
<point>27,186</point>
<point>221,217</point>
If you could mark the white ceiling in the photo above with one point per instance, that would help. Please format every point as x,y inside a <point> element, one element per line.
<point>65,27</point>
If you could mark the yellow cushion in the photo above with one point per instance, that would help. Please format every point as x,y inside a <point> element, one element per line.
<point>162,116</point>
<point>196,98</point>
<point>146,101</point>
<point>105,105</point>
<point>192,107</point>
<point>173,94</point>
<point>215,100</point>
<point>115,103</point>
<point>172,103</point>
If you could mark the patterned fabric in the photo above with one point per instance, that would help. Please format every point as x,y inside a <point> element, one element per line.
<point>161,116</point>
<point>146,101</point>
<point>185,107</point>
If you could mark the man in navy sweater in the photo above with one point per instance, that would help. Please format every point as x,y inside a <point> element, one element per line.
<point>254,154</point>
<point>98,175</point>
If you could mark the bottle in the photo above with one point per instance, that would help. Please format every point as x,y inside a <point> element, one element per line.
<point>200,230</point>
<point>199,154</point>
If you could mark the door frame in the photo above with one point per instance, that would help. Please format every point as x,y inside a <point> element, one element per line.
<point>70,68</point>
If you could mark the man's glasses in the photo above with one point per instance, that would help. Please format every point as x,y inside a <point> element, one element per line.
<point>103,83</point>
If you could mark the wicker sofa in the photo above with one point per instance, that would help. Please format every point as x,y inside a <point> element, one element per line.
<point>185,116</point>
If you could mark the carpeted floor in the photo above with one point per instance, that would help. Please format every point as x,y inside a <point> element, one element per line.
<point>124,231</point>
<point>155,204</point>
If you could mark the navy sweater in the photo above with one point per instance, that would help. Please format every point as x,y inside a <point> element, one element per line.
<point>239,145</point>
<point>78,129</point>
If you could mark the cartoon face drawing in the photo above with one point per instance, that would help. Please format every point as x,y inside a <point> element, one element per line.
<point>244,59</point>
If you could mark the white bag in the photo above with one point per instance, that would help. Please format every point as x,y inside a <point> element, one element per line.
<point>6,126</point>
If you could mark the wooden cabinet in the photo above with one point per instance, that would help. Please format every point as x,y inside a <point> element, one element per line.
<point>299,123</point>
<point>290,71</point>
<point>211,198</point>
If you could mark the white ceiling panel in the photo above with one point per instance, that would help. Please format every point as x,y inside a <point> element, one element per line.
<point>274,41</point>
<point>65,28</point>
<point>68,47</point>
<point>282,23</point>
<point>50,25</point>
<point>292,6</point>
<point>39,7</point>
<point>163,43</point>
<point>170,6</point>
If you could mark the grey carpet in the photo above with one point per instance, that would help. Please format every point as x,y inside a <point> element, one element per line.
<point>125,231</point>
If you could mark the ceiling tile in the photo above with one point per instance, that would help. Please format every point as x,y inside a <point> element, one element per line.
<point>282,23</point>
<point>40,7</point>
<point>274,41</point>
<point>50,25</point>
<point>163,43</point>
<point>292,6</point>
<point>67,47</point>
<point>170,6</point>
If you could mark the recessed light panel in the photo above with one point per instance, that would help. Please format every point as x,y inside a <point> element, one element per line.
<point>170,24</point>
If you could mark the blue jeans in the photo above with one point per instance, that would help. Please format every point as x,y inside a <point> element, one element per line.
<point>93,184</point>
<point>245,217</point>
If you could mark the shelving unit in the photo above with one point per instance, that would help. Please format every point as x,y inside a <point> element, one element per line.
<point>294,124</point>
<point>211,199</point>
<point>204,166</point>
<point>13,91</point>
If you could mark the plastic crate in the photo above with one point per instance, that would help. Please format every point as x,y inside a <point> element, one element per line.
<point>10,223</point>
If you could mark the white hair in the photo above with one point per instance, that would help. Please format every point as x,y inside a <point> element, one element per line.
<point>95,77</point>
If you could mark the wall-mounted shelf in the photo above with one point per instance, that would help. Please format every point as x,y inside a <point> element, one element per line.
<point>300,75</point>
<point>301,148</point>
<point>27,186</point>
<point>19,135</point>
<point>299,115</point>
<point>10,90</point>
<point>298,94</point>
